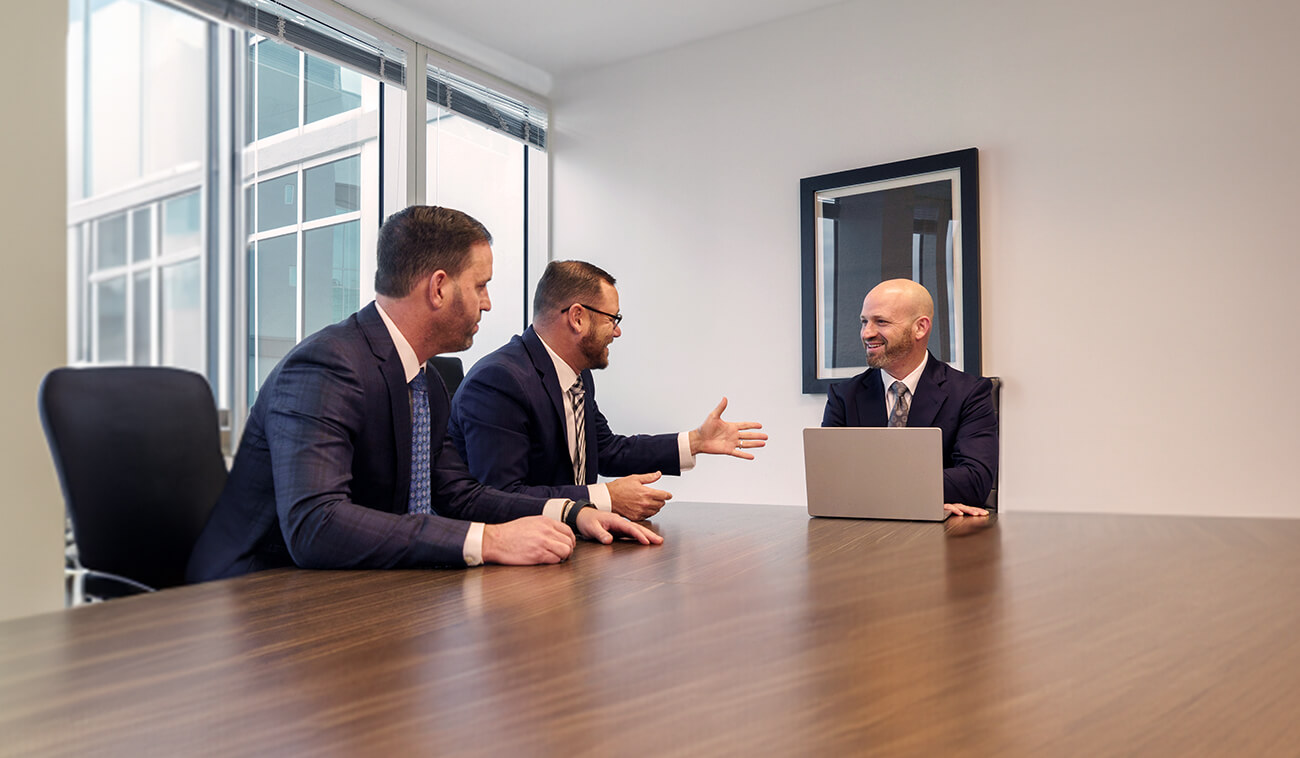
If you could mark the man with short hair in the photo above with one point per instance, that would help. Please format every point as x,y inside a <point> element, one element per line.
<point>526,420</point>
<point>344,461</point>
<point>906,386</point>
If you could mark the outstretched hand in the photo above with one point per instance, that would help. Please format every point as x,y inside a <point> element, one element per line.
<point>719,437</point>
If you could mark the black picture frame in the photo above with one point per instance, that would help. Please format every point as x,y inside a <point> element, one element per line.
<point>916,219</point>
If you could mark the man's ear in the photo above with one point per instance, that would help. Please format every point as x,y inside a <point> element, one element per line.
<point>439,288</point>
<point>573,317</point>
<point>921,328</point>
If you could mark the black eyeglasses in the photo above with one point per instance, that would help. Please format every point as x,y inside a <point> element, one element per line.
<point>616,317</point>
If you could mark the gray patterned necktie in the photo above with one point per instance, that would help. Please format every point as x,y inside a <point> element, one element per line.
<point>576,393</point>
<point>901,393</point>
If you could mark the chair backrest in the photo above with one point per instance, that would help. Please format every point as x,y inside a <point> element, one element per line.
<point>992,501</point>
<point>138,454</point>
<point>450,369</point>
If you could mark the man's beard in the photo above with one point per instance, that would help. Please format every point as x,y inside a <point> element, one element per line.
<point>467,337</point>
<point>594,349</point>
<point>893,352</point>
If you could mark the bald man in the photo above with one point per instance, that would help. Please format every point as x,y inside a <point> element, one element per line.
<point>906,386</point>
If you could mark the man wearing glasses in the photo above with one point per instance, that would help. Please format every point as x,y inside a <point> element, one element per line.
<point>526,420</point>
<point>344,462</point>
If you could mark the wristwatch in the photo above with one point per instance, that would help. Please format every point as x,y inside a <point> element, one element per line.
<point>569,514</point>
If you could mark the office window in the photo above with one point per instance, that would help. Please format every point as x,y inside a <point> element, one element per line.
<point>129,326</point>
<point>141,68</point>
<point>180,340</point>
<point>304,258</point>
<point>273,98</point>
<point>142,318</point>
<point>110,322</point>
<point>293,88</point>
<point>111,250</point>
<point>486,158</point>
<point>138,133</point>
<point>228,179</point>
<point>330,89</point>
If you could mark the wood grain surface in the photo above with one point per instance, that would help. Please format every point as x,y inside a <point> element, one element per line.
<point>752,631</point>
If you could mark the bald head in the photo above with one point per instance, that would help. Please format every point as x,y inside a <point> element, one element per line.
<point>904,296</point>
<point>896,319</point>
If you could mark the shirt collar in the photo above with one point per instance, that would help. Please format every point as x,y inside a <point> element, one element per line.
<point>910,381</point>
<point>410,364</point>
<point>563,371</point>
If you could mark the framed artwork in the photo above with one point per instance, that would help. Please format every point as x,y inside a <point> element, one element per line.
<point>916,219</point>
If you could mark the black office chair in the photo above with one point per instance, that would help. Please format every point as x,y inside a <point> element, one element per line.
<point>138,454</point>
<point>992,500</point>
<point>450,369</point>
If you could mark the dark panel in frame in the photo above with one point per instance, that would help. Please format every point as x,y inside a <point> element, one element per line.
<point>913,219</point>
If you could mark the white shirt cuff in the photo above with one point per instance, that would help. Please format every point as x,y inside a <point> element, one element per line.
<point>598,494</point>
<point>684,451</point>
<point>554,508</point>
<point>474,545</point>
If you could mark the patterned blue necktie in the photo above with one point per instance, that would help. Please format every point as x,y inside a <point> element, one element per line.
<point>420,472</point>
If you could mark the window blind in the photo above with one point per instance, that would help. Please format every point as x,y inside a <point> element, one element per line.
<point>488,107</point>
<point>313,32</point>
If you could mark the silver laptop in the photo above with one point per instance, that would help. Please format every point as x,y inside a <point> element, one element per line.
<point>875,472</point>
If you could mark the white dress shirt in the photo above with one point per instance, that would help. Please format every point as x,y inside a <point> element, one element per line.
<point>908,381</point>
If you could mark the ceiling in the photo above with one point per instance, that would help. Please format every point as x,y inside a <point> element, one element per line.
<point>530,43</point>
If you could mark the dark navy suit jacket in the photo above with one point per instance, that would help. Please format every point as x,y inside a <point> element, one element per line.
<point>507,421</point>
<point>322,475</point>
<point>958,403</point>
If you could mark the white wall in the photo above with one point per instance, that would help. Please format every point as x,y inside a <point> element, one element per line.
<point>33,209</point>
<point>1138,185</point>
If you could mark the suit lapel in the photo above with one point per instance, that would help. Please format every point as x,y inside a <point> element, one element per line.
<point>545,368</point>
<point>871,411</point>
<point>394,378</point>
<point>930,396</point>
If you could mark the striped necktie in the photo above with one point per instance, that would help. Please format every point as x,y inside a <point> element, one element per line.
<point>576,393</point>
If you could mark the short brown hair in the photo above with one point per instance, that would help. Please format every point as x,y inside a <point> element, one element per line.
<point>564,283</point>
<point>422,239</point>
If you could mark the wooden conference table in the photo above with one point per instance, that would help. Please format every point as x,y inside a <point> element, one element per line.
<point>752,631</point>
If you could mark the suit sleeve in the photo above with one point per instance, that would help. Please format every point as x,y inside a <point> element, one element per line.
<point>975,451</point>
<point>457,492</point>
<point>317,415</point>
<point>492,419</point>
<point>834,413</point>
